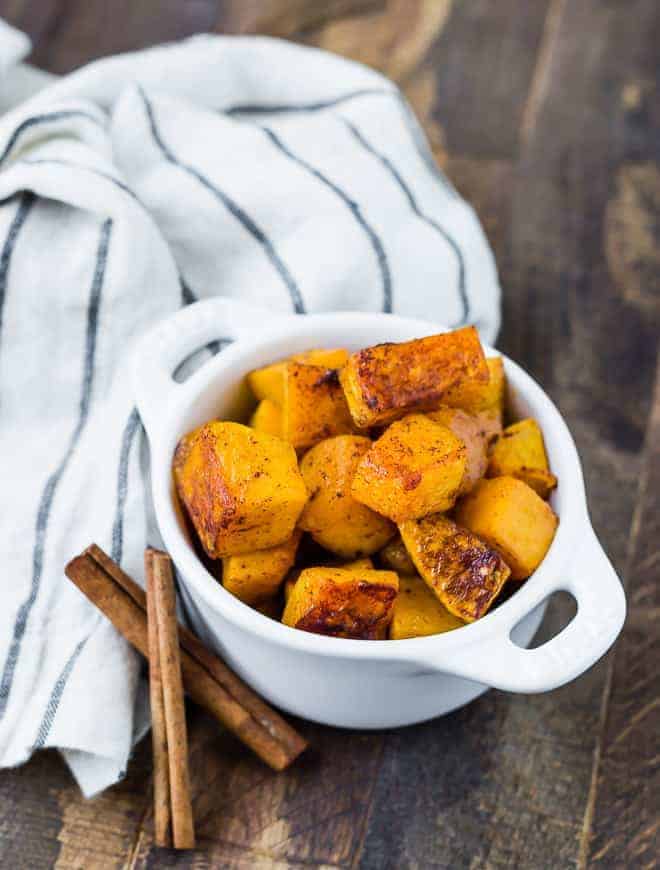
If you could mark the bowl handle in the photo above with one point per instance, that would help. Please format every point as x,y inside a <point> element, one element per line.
<point>159,351</point>
<point>601,611</point>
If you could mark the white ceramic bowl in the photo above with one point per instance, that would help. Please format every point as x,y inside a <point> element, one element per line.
<point>367,684</point>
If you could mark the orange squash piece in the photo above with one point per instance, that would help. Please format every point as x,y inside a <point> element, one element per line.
<point>470,431</point>
<point>332,516</point>
<point>257,576</point>
<point>241,488</point>
<point>513,519</point>
<point>418,612</point>
<point>342,602</point>
<point>314,405</point>
<point>520,452</point>
<point>415,468</point>
<point>465,573</point>
<point>388,381</point>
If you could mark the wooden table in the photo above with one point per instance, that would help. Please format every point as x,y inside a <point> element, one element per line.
<point>546,113</point>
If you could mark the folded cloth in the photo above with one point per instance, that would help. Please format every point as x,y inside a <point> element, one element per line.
<point>274,174</point>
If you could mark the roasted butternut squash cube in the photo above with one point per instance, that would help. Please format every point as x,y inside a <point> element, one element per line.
<point>395,557</point>
<point>520,452</point>
<point>418,612</point>
<point>267,417</point>
<point>332,516</point>
<point>268,382</point>
<point>314,406</point>
<point>388,381</point>
<point>256,576</point>
<point>333,358</point>
<point>465,573</point>
<point>469,430</point>
<point>486,395</point>
<point>415,468</point>
<point>290,581</point>
<point>241,488</point>
<point>510,516</point>
<point>342,602</point>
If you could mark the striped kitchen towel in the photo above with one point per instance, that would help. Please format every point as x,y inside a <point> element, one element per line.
<point>274,174</point>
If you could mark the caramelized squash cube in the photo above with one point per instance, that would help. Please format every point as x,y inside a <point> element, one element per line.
<point>415,468</point>
<point>395,557</point>
<point>418,612</point>
<point>388,381</point>
<point>469,430</point>
<point>342,602</point>
<point>520,452</point>
<point>510,516</point>
<point>268,382</point>
<point>267,418</point>
<point>485,395</point>
<point>465,573</point>
<point>256,576</point>
<point>332,516</point>
<point>241,488</point>
<point>314,405</point>
<point>290,582</point>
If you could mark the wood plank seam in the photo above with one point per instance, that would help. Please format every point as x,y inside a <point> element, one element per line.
<point>370,805</point>
<point>635,526</point>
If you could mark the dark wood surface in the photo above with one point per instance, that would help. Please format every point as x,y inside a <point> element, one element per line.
<point>546,113</point>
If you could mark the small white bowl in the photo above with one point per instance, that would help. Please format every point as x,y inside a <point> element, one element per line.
<point>354,683</point>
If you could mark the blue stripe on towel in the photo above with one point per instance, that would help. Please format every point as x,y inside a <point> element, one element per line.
<point>412,124</point>
<point>133,426</point>
<point>25,204</point>
<point>56,697</point>
<point>396,175</point>
<point>234,209</point>
<point>49,491</point>
<point>47,117</point>
<point>353,207</point>
<point>130,431</point>
<point>317,105</point>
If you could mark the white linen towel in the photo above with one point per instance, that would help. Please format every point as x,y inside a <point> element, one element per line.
<point>274,174</point>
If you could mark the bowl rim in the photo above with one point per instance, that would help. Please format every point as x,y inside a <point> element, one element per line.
<point>542,583</point>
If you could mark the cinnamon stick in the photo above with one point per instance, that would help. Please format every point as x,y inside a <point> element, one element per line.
<point>161,584</point>
<point>162,811</point>
<point>208,681</point>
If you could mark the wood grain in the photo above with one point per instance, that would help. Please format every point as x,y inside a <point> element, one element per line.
<point>486,57</point>
<point>313,814</point>
<point>394,39</point>
<point>625,818</point>
<point>546,115</point>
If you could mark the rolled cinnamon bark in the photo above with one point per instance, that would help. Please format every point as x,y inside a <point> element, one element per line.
<point>208,681</point>
<point>162,810</point>
<point>161,584</point>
